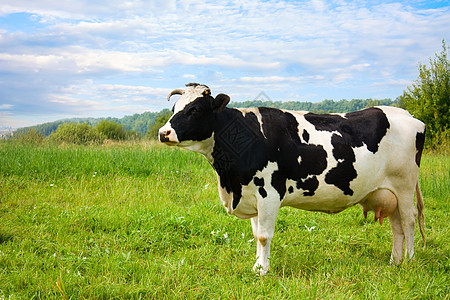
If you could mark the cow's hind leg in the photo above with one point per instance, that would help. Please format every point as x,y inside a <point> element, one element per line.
<point>408,214</point>
<point>398,237</point>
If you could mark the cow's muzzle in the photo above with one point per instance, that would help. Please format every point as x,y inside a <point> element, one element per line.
<point>164,136</point>
<point>167,137</point>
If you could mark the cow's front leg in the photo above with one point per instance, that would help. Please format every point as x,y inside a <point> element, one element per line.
<point>254,221</point>
<point>263,227</point>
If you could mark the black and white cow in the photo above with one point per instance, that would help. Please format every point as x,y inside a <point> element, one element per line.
<point>266,158</point>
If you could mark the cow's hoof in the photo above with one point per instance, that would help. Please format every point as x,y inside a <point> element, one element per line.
<point>260,270</point>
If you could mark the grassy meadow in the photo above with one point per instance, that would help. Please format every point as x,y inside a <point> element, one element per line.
<point>143,221</point>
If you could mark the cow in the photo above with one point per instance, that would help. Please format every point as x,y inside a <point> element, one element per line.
<point>267,158</point>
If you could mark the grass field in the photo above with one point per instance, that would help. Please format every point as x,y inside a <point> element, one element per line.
<point>140,221</point>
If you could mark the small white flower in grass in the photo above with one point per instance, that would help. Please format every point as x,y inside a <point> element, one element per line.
<point>206,186</point>
<point>181,262</point>
<point>225,238</point>
<point>310,228</point>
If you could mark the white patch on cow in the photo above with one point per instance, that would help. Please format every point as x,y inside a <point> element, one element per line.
<point>190,94</point>
<point>317,137</point>
<point>299,159</point>
<point>225,197</point>
<point>204,147</point>
<point>289,183</point>
<point>247,207</point>
<point>173,138</point>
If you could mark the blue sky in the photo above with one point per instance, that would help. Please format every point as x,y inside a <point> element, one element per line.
<point>70,58</point>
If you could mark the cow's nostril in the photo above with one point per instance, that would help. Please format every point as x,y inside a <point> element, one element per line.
<point>164,136</point>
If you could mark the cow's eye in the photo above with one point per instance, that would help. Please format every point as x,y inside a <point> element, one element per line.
<point>193,110</point>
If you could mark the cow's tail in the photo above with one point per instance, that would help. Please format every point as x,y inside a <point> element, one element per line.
<point>420,216</point>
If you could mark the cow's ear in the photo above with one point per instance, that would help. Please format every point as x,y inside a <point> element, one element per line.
<point>220,102</point>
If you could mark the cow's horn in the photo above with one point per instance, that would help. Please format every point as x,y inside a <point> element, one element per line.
<point>175,92</point>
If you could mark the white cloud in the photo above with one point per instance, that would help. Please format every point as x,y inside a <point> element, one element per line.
<point>393,82</point>
<point>281,79</point>
<point>6,106</point>
<point>189,76</point>
<point>134,51</point>
<point>268,79</point>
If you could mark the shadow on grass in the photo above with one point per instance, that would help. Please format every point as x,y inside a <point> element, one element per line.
<point>5,237</point>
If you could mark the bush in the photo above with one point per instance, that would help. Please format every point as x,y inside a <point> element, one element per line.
<point>76,133</point>
<point>111,130</point>
<point>31,136</point>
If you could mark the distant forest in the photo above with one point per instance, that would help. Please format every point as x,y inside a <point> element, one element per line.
<point>326,106</point>
<point>141,123</point>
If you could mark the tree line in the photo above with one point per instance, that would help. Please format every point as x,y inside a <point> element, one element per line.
<point>325,106</point>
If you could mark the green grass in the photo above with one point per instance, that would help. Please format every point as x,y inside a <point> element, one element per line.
<point>145,222</point>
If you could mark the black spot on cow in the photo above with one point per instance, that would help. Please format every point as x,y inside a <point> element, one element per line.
<point>260,182</point>
<point>296,160</point>
<point>262,192</point>
<point>309,185</point>
<point>366,127</point>
<point>291,190</point>
<point>305,136</point>
<point>344,172</point>
<point>420,141</point>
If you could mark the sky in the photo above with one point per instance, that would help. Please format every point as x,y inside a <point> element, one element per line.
<point>83,58</point>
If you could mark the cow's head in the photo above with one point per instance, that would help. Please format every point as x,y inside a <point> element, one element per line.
<point>193,116</point>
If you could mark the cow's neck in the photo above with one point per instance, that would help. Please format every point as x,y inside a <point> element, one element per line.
<point>204,147</point>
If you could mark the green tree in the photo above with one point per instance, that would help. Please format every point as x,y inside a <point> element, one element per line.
<point>428,99</point>
<point>111,130</point>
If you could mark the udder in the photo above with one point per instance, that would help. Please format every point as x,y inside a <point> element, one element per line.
<point>382,202</point>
